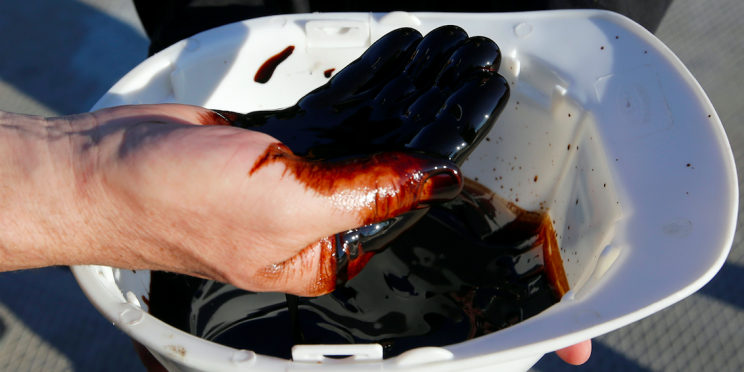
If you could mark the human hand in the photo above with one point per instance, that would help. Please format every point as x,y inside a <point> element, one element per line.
<point>141,187</point>
<point>148,189</point>
<point>440,94</point>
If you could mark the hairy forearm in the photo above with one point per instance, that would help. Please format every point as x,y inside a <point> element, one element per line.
<point>42,203</point>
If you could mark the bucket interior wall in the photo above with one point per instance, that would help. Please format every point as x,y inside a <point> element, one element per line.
<point>543,154</point>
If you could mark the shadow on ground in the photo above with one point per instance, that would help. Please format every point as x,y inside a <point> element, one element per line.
<point>50,303</point>
<point>63,53</point>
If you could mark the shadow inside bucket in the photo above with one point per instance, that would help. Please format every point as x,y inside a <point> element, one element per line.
<point>438,284</point>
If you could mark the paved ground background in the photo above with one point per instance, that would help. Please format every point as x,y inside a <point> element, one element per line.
<point>59,56</point>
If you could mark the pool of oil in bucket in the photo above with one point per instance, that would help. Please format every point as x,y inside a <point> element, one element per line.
<point>543,155</point>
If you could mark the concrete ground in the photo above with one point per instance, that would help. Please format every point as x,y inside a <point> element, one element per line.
<point>57,57</point>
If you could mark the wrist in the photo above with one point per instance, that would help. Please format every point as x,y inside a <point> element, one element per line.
<point>45,204</point>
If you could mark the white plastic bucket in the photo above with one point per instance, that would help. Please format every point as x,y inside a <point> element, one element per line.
<point>649,160</point>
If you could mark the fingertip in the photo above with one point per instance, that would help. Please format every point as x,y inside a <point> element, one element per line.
<point>576,354</point>
<point>391,45</point>
<point>433,52</point>
<point>477,53</point>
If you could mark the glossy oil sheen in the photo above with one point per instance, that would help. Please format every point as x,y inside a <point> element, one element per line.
<point>437,95</point>
<point>454,270</point>
<point>455,275</point>
<point>266,70</point>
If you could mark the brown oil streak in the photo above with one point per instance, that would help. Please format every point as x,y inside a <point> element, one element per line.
<point>553,262</point>
<point>325,282</point>
<point>375,187</point>
<point>267,68</point>
<point>214,118</point>
<point>356,265</point>
<point>177,349</point>
<point>528,224</point>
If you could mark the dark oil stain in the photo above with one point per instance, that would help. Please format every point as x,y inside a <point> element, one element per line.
<point>391,182</point>
<point>481,296</point>
<point>267,68</point>
<point>215,118</point>
<point>455,230</point>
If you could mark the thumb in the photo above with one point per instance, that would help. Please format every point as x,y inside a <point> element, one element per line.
<point>351,193</point>
<point>369,189</point>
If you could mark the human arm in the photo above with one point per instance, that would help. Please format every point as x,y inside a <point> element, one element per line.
<point>144,187</point>
<point>126,187</point>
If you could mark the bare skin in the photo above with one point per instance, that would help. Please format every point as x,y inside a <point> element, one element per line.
<point>577,354</point>
<point>144,187</point>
